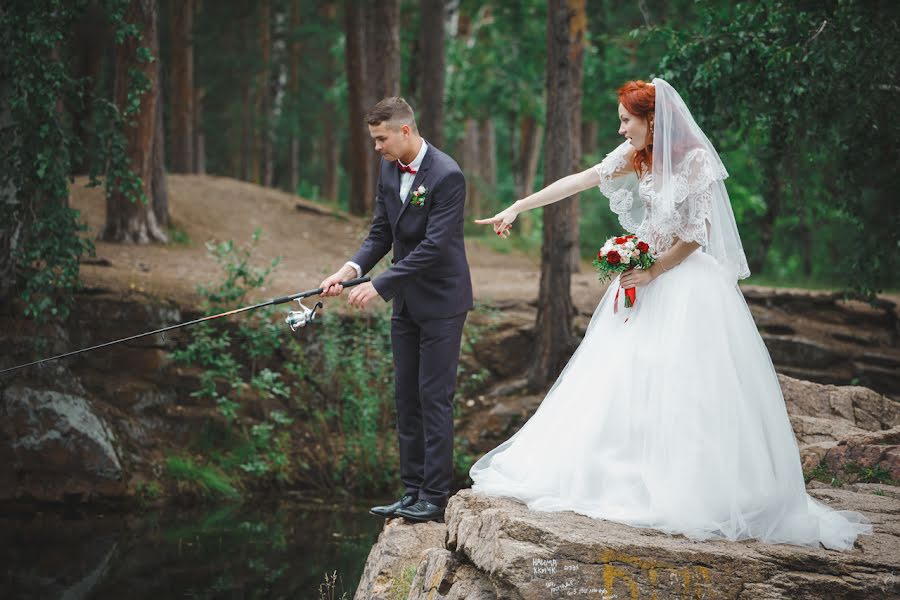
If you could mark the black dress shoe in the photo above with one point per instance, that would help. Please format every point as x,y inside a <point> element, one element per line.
<point>390,509</point>
<point>422,510</point>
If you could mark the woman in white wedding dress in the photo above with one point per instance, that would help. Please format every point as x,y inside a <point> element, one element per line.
<point>669,415</point>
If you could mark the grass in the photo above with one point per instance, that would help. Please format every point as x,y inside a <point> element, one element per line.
<point>208,481</point>
<point>876,474</point>
<point>822,473</point>
<point>403,583</point>
<point>858,473</point>
<point>178,236</point>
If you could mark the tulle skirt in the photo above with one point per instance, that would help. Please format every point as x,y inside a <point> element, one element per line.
<point>670,416</point>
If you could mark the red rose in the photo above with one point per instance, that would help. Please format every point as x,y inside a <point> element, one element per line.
<point>630,237</point>
<point>613,257</point>
<point>600,255</point>
<point>643,247</point>
<point>620,240</point>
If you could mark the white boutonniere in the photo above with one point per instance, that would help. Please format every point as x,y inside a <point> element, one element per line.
<point>419,195</point>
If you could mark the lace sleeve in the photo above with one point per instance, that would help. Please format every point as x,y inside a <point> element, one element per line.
<point>683,208</point>
<point>616,164</point>
<point>618,182</point>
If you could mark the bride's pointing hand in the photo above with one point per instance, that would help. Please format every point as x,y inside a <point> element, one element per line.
<point>502,221</point>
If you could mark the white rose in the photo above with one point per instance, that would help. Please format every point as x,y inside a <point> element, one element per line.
<point>421,189</point>
<point>630,245</point>
<point>635,253</point>
<point>625,259</point>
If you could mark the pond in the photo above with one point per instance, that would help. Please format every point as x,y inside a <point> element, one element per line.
<point>262,550</point>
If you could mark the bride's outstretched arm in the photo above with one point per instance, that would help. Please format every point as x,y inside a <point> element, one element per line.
<point>556,191</point>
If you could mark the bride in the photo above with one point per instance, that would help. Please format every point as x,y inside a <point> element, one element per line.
<point>669,415</point>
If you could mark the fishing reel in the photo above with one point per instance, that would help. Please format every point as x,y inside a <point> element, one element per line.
<point>299,318</point>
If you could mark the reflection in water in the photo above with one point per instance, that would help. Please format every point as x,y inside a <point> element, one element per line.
<point>275,551</point>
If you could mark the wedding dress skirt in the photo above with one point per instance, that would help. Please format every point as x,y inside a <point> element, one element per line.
<point>674,420</point>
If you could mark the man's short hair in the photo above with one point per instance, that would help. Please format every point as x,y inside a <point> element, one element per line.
<point>395,111</point>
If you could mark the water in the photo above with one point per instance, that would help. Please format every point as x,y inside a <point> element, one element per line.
<point>282,550</point>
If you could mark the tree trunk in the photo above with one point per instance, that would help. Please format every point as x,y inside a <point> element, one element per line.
<point>158,184</point>
<point>530,134</point>
<point>470,158</point>
<point>361,181</point>
<point>555,340</point>
<point>386,49</point>
<point>331,150</point>
<point>130,220</point>
<point>264,98</point>
<point>588,138</point>
<point>10,231</point>
<point>93,41</point>
<point>199,137</point>
<point>772,187</point>
<point>432,36</point>
<point>182,117</point>
<point>294,93</point>
<point>487,138</point>
<point>247,125</point>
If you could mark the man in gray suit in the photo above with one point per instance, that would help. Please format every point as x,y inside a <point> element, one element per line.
<point>419,202</point>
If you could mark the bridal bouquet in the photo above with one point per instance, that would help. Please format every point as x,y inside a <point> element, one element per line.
<point>620,254</point>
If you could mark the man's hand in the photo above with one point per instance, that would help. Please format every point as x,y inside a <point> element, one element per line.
<point>331,286</point>
<point>362,295</point>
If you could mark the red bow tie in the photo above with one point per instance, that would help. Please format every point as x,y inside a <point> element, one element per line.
<point>405,168</point>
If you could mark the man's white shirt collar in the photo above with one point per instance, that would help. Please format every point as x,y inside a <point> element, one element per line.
<point>417,161</point>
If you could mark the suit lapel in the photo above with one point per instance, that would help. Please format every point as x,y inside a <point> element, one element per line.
<point>420,176</point>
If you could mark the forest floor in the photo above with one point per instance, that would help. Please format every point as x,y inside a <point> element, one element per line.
<point>312,240</point>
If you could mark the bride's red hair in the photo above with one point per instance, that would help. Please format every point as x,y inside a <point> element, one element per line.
<point>639,98</point>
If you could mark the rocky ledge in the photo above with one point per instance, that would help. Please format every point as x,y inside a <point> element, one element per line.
<point>849,442</point>
<point>492,548</point>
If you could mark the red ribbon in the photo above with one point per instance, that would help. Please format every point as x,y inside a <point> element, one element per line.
<point>630,297</point>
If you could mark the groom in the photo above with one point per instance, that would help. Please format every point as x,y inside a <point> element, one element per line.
<point>419,204</point>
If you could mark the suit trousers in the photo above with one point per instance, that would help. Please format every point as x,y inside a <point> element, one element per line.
<point>426,357</point>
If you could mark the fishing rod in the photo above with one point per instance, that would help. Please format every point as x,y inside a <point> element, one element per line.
<point>295,320</point>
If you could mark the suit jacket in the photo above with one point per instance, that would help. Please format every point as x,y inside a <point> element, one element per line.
<point>429,273</point>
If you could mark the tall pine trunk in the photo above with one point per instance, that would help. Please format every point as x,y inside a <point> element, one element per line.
<point>555,339</point>
<point>431,40</point>
<point>772,186</point>
<point>265,173</point>
<point>385,49</point>
<point>158,184</point>
<point>199,137</point>
<point>525,161</point>
<point>361,180</point>
<point>11,231</point>
<point>470,157</point>
<point>182,83</point>
<point>131,220</point>
<point>294,93</point>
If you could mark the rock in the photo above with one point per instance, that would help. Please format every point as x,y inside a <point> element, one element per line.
<point>536,555</point>
<point>53,446</point>
<point>506,351</point>
<point>859,407</point>
<point>443,576</point>
<point>394,559</point>
<point>795,350</point>
<point>866,456</point>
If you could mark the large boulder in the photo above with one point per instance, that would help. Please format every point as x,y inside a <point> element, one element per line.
<point>444,576</point>
<point>54,447</point>
<point>395,557</point>
<point>536,555</point>
<point>496,548</point>
<point>856,407</point>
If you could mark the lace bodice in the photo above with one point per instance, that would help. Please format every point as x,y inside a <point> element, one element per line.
<point>638,207</point>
